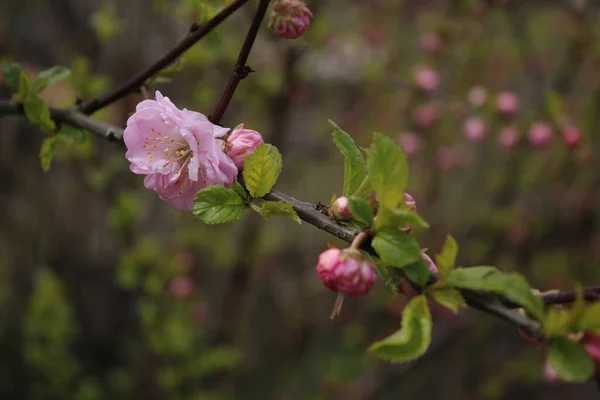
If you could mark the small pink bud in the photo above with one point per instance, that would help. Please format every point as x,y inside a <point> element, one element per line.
<point>339,209</point>
<point>540,134</point>
<point>431,42</point>
<point>344,271</point>
<point>426,79</point>
<point>507,103</point>
<point>508,138</point>
<point>591,343</point>
<point>409,142</point>
<point>571,135</point>
<point>182,286</point>
<point>410,202</point>
<point>241,143</point>
<point>430,264</point>
<point>426,116</point>
<point>550,375</point>
<point>290,18</point>
<point>475,129</point>
<point>477,96</point>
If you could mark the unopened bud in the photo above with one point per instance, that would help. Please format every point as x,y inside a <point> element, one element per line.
<point>339,209</point>
<point>241,143</point>
<point>345,271</point>
<point>571,135</point>
<point>290,18</point>
<point>540,134</point>
<point>507,103</point>
<point>475,129</point>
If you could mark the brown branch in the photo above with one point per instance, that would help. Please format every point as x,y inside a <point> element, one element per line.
<point>590,293</point>
<point>195,34</point>
<point>240,70</point>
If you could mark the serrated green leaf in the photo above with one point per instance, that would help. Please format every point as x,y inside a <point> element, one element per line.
<point>12,72</point>
<point>590,318</point>
<point>446,260</point>
<point>47,152</point>
<point>217,204</point>
<point>570,361</point>
<point>239,189</point>
<point>275,209</point>
<point>396,248</point>
<point>365,189</point>
<point>512,286</point>
<point>388,170</point>
<point>23,88</point>
<point>361,209</point>
<point>449,298</point>
<point>399,218</point>
<point>37,111</point>
<point>417,272</point>
<point>261,170</point>
<point>355,170</point>
<point>49,77</point>
<point>413,338</point>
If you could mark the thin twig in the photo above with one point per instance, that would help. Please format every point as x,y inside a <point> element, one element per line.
<point>590,293</point>
<point>195,34</point>
<point>241,70</point>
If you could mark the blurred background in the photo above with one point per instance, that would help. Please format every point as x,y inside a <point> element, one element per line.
<point>108,293</point>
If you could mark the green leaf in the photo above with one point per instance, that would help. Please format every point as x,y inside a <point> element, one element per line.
<point>274,209</point>
<point>261,169</point>
<point>417,272</point>
<point>570,361</point>
<point>49,77</point>
<point>446,260</point>
<point>396,248</point>
<point>217,204</point>
<point>449,298</point>
<point>388,170</point>
<point>47,152</point>
<point>399,218</point>
<point>239,189</point>
<point>71,135</point>
<point>12,73</point>
<point>512,286</point>
<point>412,340</point>
<point>37,112</point>
<point>365,189</point>
<point>555,104</point>
<point>354,164</point>
<point>590,318</point>
<point>361,209</point>
<point>23,88</point>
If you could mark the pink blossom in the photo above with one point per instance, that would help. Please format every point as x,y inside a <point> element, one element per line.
<point>508,138</point>
<point>431,42</point>
<point>540,134</point>
<point>177,150</point>
<point>409,142</point>
<point>475,129</point>
<point>339,209</point>
<point>591,343</point>
<point>241,143</point>
<point>426,116</point>
<point>182,286</point>
<point>477,96</point>
<point>430,264</point>
<point>571,135</point>
<point>410,202</point>
<point>550,374</point>
<point>290,18</point>
<point>344,271</point>
<point>507,103</point>
<point>426,78</point>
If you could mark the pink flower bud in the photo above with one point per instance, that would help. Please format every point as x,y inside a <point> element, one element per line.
<point>591,343</point>
<point>339,209</point>
<point>426,79</point>
<point>431,42</point>
<point>430,264</point>
<point>241,143</point>
<point>475,129</point>
<point>344,271</point>
<point>571,136</point>
<point>550,375</point>
<point>477,96</point>
<point>290,18</point>
<point>508,138</point>
<point>507,103</point>
<point>426,116</point>
<point>540,134</point>
<point>410,202</point>
<point>182,286</point>
<point>409,142</point>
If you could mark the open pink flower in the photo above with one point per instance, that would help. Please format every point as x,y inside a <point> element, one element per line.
<point>177,150</point>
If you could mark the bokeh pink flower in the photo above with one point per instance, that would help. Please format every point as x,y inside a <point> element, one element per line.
<point>540,134</point>
<point>475,129</point>
<point>426,78</point>
<point>571,136</point>
<point>410,142</point>
<point>178,151</point>
<point>508,137</point>
<point>290,18</point>
<point>507,103</point>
